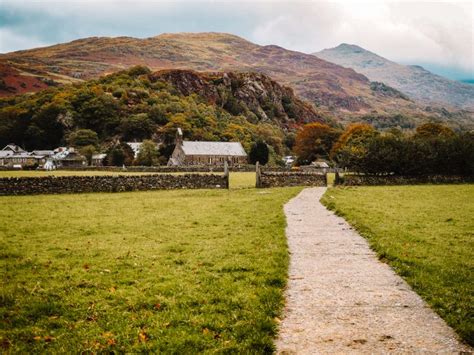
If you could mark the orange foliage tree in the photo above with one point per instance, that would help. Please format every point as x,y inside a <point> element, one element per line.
<point>351,148</point>
<point>314,141</point>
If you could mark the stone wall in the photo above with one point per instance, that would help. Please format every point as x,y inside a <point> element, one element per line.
<point>109,183</point>
<point>293,178</point>
<point>371,180</point>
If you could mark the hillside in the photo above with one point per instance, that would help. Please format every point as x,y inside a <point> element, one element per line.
<point>416,82</point>
<point>331,88</point>
<point>137,104</point>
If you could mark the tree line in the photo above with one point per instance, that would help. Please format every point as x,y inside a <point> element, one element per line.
<point>431,148</point>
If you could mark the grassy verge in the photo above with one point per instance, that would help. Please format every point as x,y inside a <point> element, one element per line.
<point>176,271</point>
<point>426,233</point>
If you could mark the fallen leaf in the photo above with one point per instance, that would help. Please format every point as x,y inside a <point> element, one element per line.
<point>142,336</point>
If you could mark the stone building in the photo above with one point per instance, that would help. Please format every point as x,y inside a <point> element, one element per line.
<point>206,153</point>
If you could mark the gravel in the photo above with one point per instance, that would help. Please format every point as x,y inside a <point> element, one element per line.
<point>342,299</point>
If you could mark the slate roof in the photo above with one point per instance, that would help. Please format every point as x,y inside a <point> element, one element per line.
<point>14,148</point>
<point>43,152</point>
<point>213,148</point>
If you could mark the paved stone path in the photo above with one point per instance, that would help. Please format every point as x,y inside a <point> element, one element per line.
<point>342,299</point>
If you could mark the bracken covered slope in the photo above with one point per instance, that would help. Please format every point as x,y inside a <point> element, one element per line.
<point>328,86</point>
<point>413,80</point>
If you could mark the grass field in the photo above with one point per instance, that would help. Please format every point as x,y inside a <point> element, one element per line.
<point>176,271</point>
<point>238,180</point>
<point>426,233</point>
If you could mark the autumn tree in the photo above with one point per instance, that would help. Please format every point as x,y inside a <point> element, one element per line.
<point>351,148</point>
<point>314,141</point>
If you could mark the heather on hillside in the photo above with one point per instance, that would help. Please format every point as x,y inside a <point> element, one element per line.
<point>137,104</point>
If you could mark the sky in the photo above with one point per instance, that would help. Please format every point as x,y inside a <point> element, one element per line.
<point>438,35</point>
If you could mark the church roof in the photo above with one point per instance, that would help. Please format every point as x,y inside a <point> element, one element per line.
<point>213,148</point>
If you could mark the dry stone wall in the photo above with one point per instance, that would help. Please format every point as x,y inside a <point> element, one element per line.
<point>119,183</point>
<point>296,178</point>
<point>371,180</point>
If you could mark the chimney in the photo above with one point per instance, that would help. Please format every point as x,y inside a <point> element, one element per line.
<point>179,137</point>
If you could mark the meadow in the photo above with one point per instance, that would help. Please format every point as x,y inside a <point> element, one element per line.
<point>426,233</point>
<point>174,271</point>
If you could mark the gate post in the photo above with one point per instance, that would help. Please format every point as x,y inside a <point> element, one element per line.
<point>257,175</point>
<point>226,174</point>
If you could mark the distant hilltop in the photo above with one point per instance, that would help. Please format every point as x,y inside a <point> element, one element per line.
<point>413,80</point>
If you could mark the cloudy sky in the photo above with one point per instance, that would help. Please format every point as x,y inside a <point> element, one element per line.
<point>438,35</point>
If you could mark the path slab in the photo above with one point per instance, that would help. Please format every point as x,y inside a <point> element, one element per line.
<point>342,299</point>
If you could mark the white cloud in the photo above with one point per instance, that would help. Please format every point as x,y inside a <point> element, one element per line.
<point>9,39</point>
<point>439,32</point>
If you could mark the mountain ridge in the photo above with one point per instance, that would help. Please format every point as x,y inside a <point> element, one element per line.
<point>413,80</point>
<point>332,89</point>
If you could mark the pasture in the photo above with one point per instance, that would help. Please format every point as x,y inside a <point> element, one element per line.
<point>426,233</point>
<point>181,271</point>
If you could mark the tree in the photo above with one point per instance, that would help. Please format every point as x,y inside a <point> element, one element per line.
<point>119,154</point>
<point>88,151</point>
<point>314,141</point>
<point>351,148</point>
<point>148,154</point>
<point>259,153</point>
<point>137,126</point>
<point>83,137</point>
<point>433,130</point>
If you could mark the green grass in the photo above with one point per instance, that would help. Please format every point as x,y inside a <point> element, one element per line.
<point>426,233</point>
<point>176,271</point>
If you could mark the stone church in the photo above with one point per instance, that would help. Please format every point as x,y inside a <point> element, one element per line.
<point>206,153</point>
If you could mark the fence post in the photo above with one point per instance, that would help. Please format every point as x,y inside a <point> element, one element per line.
<point>257,175</point>
<point>226,174</point>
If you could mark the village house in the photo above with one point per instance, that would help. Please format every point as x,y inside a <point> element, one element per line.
<point>206,153</point>
<point>67,158</point>
<point>13,156</point>
<point>98,159</point>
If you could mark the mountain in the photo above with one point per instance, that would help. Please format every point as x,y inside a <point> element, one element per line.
<point>138,104</point>
<point>330,87</point>
<point>412,80</point>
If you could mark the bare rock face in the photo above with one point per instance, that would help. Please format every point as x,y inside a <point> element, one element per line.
<point>243,92</point>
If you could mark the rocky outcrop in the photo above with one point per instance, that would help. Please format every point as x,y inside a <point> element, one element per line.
<point>242,92</point>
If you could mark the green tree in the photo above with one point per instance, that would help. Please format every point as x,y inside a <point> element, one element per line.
<point>88,151</point>
<point>259,153</point>
<point>83,137</point>
<point>119,154</point>
<point>148,154</point>
<point>136,127</point>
